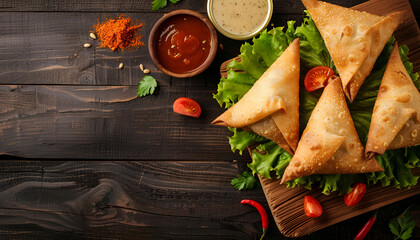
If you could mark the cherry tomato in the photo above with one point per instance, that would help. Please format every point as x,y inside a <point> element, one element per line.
<point>312,207</point>
<point>317,78</point>
<point>353,197</point>
<point>187,106</point>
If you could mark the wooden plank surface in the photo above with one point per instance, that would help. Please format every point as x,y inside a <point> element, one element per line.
<point>284,203</point>
<point>284,6</point>
<point>141,200</point>
<point>47,48</point>
<point>158,200</point>
<point>108,123</point>
<point>69,117</point>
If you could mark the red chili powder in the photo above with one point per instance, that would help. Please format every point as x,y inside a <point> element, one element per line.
<point>119,33</point>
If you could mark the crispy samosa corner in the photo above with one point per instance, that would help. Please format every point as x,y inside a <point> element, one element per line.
<point>329,143</point>
<point>271,107</point>
<point>396,115</point>
<point>354,39</point>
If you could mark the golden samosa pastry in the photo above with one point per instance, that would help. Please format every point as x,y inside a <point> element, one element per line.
<point>329,143</point>
<point>271,107</point>
<point>354,39</point>
<point>396,115</point>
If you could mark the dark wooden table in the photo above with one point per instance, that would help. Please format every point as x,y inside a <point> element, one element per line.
<point>83,157</point>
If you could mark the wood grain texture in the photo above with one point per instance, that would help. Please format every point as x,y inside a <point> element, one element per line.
<point>284,6</point>
<point>142,200</point>
<point>285,205</point>
<point>94,122</point>
<point>47,48</point>
<point>162,200</point>
<point>73,109</point>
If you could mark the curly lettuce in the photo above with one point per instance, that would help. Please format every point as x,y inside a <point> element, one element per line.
<point>270,160</point>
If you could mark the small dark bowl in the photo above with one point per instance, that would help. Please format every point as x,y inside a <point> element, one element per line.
<point>213,46</point>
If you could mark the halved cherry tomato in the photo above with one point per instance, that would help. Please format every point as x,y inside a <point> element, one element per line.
<point>312,207</point>
<point>187,106</point>
<point>353,197</point>
<point>317,78</point>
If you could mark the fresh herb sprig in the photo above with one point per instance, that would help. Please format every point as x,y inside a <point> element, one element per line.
<point>159,4</point>
<point>402,227</point>
<point>245,181</point>
<point>147,86</point>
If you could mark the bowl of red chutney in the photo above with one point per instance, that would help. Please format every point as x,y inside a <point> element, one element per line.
<point>183,43</point>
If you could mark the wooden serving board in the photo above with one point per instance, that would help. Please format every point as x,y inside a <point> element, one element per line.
<point>286,204</point>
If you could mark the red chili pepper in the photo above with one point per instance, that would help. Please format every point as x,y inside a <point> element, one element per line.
<point>366,228</point>
<point>262,212</point>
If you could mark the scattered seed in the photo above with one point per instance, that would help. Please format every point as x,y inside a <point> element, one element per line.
<point>204,41</point>
<point>221,46</point>
<point>146,71</point>
<point>86,45</point>
<point>173,46</point>
<point>121,65</point>
<point>272,24</point>
<point>141,67</point>
<point>92,35</point>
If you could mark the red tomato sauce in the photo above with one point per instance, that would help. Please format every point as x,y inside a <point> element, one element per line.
<point>183,43</point>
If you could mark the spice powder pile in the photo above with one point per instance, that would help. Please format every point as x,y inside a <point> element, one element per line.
<point>118,33</point>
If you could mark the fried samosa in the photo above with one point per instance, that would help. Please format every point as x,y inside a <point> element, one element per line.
<point>396,116</point>
<point>354,39</point>
<point>271,107</point>
<point>329,143</point>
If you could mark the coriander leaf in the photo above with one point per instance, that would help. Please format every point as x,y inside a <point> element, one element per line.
<point>407,233</point>
<point>245,181</point>
<point>158,4</point>
<point>403,226</point>
<point>393,226</point>
<point>146,86</point>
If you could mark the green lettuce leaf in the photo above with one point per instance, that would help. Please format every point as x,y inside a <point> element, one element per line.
<point>269,159</point>
<point>255,59</point>
<point>242,139</point>
<point>313,51</point>
<point>232,88</point>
